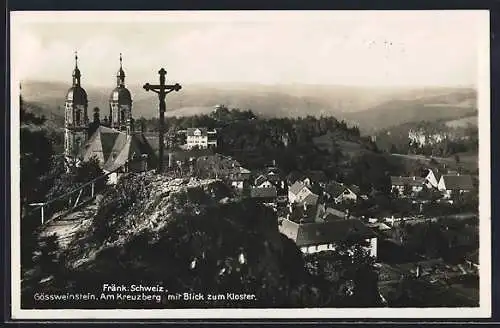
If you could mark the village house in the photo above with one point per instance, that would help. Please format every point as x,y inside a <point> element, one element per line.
<point>322,236</point>
<point>307,197</point>
<point>339,193</point>
<point>239,177</point>
<point>449,184</point>
<point>407,184</point>
<point>294,190</point>
<point>200,138</point>
<point>266,195</point>
<point>271,177</point>
<point>430,179</point>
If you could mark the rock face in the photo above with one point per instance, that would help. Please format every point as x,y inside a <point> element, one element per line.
<point>190,236</point>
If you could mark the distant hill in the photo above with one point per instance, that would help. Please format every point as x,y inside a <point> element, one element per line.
<point>447,106</point>
<point>463,122</point>
<point>370,108</point>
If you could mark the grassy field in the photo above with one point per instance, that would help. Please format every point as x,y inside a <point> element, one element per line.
<point>468,162</point>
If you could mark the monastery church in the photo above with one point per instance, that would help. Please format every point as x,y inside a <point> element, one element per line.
<point>113,140</point>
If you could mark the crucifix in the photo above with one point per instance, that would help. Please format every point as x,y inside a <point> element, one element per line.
<point>162,90</point>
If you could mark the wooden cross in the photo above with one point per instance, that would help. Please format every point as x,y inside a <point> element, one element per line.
<point>162,90</point>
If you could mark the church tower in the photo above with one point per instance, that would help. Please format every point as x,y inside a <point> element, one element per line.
<point>120,103</point>
<point>76,118</point>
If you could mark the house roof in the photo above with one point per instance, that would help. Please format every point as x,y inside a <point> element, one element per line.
<point>410,181</point>
<point>457,182</point>
<point>260,180</point>
<point>273,176</point>
<point>308,234</point>
<point>296,187</point>
<point>244,170</point>
<point>268,192</point>
<point>378,226</point>
<point>335,189</point>
<point>334,214</point>
<point>309,199</point>
<point>204,132</point>
<point>114,148</point>
<point>299,212</point>
<point>355,189</point>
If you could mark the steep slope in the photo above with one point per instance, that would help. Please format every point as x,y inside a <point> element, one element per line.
<point>189,236</point>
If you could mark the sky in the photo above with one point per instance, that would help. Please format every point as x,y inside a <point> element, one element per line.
<point>365,48</point>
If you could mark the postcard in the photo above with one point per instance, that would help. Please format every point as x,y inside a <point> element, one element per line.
<point>250,164</point>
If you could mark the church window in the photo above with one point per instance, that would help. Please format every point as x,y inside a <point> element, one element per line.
<point>77,116</point>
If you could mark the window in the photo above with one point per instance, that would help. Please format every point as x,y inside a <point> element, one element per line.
<point>77,116</point>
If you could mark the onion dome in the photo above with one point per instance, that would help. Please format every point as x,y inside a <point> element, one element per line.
<point>121,94</point>
<point>76,93</point>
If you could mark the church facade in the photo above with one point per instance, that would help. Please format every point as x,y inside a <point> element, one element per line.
<point>114,143</point>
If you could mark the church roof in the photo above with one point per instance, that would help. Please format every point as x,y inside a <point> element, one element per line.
<point>77,95</point>
<point>113,148</point>
<point>121,94</point>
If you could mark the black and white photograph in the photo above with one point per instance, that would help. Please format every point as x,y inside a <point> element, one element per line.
<point>250,164</point>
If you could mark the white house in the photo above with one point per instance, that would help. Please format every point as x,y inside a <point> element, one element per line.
<point>399,184</point>
<point>430,179</point>
<point>338,192</point>
<point>294,190</point>
<point>201,138</point>
<point>455,183</point>
<point>321,236</point>
<point>239,177</point>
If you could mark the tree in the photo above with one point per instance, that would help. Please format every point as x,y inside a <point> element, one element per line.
<point>90,170</point>
<point>347,275</point>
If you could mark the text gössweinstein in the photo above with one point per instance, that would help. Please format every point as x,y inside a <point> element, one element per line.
<point>113,292</point>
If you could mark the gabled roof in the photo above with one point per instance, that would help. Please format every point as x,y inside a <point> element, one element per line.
<point>273,176</point>
<point>309,234</point>
<point>310,199</point>
<point>457,182</point>
<point>190,131</point>
<point>335,189</point>
<point>268,192</point>
<point>244,170</point>
<point>114,148</point>
<point>334,214</point>
<point>260,180</point>
<point>410,181</point>
<point>355,189</point>
<point>299,212</point>
<point>296,187</point>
